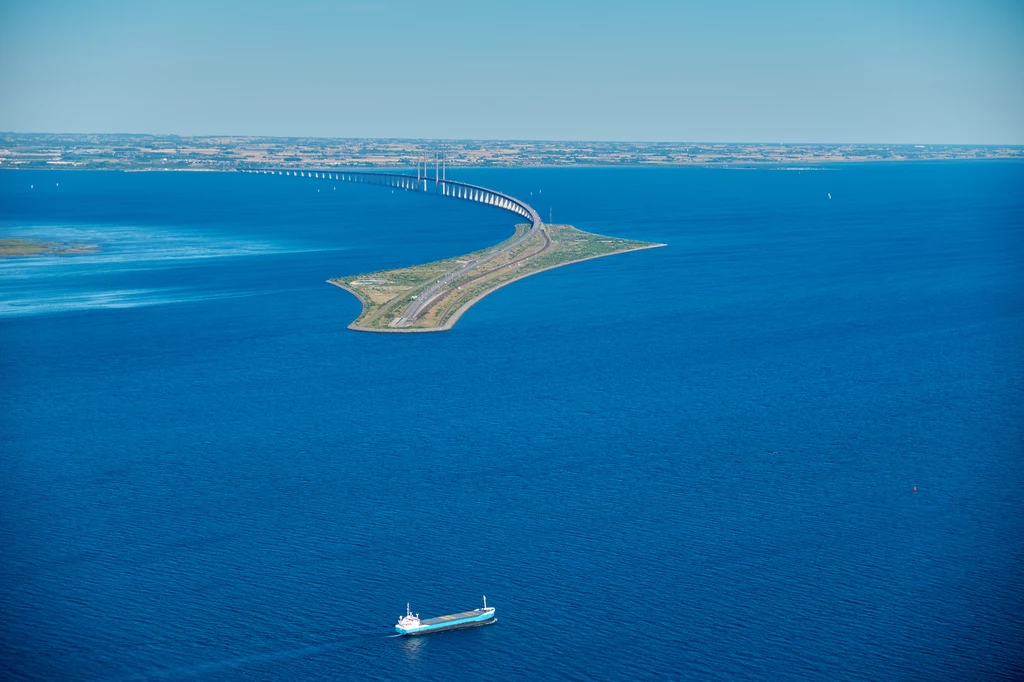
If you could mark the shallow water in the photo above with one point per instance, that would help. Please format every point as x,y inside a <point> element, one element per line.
<point>689,462</point>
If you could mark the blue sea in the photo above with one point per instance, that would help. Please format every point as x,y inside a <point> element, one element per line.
<point>788,446</point>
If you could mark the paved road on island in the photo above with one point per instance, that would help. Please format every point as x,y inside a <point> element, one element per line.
<point>425,298</point>
<point>547,245</point>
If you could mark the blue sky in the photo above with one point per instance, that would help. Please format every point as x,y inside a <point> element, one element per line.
<point>866,71</point>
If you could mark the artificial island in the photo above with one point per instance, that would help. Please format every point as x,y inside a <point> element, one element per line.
<point>433,296</point>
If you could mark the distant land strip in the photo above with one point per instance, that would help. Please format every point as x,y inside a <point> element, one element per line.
<point>32,247</point>
<point>173,152</point>
<point>433,296</point>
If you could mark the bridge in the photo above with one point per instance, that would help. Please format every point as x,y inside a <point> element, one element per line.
<point>420,182</point>
<point>440,185</point>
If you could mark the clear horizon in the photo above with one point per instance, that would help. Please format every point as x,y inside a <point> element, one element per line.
<point>942,73</point>
<point>510,139</point>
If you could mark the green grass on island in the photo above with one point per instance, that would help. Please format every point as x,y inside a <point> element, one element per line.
<point>31,247</point>
<point>386,294</point>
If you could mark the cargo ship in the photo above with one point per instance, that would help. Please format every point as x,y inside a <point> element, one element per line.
<point>410,623</point>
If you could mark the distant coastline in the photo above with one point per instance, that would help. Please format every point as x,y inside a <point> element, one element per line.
<point>38,151</point>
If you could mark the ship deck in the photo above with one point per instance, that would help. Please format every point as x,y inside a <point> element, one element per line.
<point>441,620</point>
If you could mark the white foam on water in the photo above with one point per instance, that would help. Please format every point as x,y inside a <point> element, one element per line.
<point>139,245</point>
<point>50,284</point>
<point>115,298</point>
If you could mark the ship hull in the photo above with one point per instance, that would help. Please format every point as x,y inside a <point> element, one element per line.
<point>454,621</point>
<point>429,630</point>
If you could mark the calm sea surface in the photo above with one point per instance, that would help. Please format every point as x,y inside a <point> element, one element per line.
<point>695,462</point>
